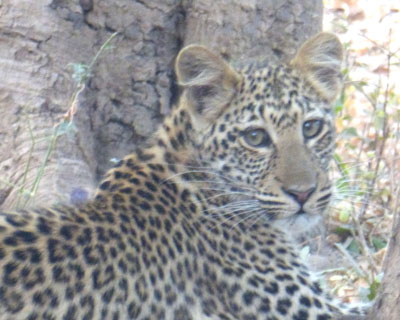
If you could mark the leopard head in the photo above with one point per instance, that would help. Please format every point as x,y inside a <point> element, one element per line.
<point>266,132</point>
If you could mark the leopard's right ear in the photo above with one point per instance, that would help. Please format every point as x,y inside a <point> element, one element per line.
<point>319,60</point>
<point>209,82</point>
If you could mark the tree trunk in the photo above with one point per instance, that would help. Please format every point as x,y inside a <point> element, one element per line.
<point>37,43</point>
<point>125,97</point>
<point>240,30</point>
<point>387,305</point>
<point>130,88</point>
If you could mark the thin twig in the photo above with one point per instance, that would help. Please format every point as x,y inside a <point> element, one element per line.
<point>354,263</point>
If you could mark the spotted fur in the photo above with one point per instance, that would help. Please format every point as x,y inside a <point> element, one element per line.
<point>186,229</point>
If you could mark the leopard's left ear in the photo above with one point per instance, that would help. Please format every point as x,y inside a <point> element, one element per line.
<point>209,82</point>
<point>319,60</point>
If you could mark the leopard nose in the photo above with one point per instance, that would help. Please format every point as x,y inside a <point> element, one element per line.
<point>299,195</point>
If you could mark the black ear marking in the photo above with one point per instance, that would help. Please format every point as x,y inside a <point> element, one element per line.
<point>200,94</point>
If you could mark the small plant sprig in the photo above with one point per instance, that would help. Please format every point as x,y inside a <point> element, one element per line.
<point>81,73</point>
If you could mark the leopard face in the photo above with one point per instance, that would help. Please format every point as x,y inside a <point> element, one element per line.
<point>278,157</point>
<point>272,138</point>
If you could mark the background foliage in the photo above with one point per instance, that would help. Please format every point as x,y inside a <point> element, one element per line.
<point>367,156</point>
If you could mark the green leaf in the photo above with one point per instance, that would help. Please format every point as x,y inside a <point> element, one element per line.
<point>378,243</point>
<point>354,247</point>
<point>338,108</point>
<point>373,289</point>
<point>343,231</point>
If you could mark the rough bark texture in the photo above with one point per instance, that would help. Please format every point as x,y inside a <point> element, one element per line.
<point>240,30</point>
<point>131,87</point>
<point>387,305</point>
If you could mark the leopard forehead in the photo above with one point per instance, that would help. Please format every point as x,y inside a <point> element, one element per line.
<point>272,84</point>
<point>275,96</point>
<point>276,85</point>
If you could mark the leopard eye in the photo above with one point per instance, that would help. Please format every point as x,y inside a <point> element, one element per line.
<point>257,137</point>
<point>312,128</point>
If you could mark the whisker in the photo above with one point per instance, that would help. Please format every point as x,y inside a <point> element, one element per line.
<point>260,216</point>
<point>226,194</point>
<point>247,217</point>
<point>228,215</point>
<point>237,205</point>
<point>187,172</point>
<point>232,212</point>
<point>240,204</point>
<point>236,186</point>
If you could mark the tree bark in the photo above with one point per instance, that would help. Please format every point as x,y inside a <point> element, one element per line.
<point>125,97</point>
<point>387,305</point>
<point>257,29</point>
<point>36,44</point>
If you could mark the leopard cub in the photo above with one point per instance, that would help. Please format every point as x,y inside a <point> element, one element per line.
<point>186,229</point>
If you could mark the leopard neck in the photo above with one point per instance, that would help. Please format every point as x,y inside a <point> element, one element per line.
<point>170,161</point>
<point>171,150</point>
